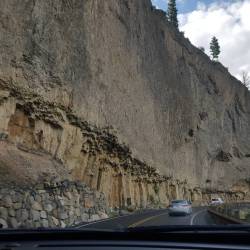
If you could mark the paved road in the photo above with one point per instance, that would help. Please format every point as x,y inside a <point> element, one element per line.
<point>200,216</point>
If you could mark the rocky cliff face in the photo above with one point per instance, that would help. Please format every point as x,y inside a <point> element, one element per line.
<point>108,93</point>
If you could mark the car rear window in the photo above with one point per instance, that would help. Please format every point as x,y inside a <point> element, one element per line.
<point>179,202</point>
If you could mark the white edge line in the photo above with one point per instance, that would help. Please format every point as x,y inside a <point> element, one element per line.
<point>108,219</point>
<point>193,217</point>
<point>99,221</point>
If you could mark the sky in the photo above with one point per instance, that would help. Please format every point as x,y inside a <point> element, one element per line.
<point>228,20</point>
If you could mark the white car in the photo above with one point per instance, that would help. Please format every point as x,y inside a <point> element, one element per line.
<point>180,207</point>
<point>216,201</point>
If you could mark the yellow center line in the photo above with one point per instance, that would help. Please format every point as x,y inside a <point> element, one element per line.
<point>145,220</point>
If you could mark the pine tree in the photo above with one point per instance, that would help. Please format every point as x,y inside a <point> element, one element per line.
<point>214,48</point>
<point>172,13</point>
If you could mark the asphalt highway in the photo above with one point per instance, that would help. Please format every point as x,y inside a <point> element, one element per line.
<point>200,216</point>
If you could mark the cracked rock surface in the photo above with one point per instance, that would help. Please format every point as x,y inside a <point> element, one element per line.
<point>109,94</point>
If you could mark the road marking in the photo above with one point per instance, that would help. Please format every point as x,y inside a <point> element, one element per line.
<point>140,221</point>
<point>145,220</point>
<point>99,221</point>
<point>193,217</point>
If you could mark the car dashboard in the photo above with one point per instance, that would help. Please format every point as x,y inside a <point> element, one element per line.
<point>51,239</point>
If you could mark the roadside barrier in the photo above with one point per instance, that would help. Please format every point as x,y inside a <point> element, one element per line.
<point>236,213</point>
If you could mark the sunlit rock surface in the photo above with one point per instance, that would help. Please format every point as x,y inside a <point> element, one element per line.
<point>109,94</point>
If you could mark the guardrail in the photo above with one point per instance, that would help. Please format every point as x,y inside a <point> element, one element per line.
<point>238,213</point>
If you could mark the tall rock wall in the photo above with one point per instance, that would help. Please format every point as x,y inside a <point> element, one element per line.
<point>57,170</point>
<point>120,66</point>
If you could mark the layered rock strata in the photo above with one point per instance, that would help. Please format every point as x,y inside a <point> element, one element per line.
<point>42,140</point>
<point>77,75</point>
<point>120,63</point>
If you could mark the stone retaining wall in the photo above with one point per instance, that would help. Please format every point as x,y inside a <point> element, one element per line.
<point>50,205</point>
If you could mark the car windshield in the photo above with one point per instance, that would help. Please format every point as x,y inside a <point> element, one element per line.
<point>123,114</point>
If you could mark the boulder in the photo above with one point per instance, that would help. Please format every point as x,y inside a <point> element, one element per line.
<point>63,225</point>
<point>7,201</point>
<point>68,195</point>
<point>24,215</point>
<point>37,206</point>
<point>77,212</point>
<point>17,205</point>
<point>13,222</point>
<point>48,207</point>
<point>63,215</point>
<point>55,220</point>
<point>38,198</point>
<point>94,217</point>
<point>3,223</point>
<point>102,215</point>
<point>45,223</point>
<point>43,214</point>
<point>3,213</point>
<point>11,212</point>
<point>35,215</point>
<point>84,217</point>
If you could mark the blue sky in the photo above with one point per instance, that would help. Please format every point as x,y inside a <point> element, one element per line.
<point>184,6</point>
<point>228,20</point>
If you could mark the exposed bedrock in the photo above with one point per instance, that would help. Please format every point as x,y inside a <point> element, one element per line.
<point>45,142</point>
<point>109,94</point>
